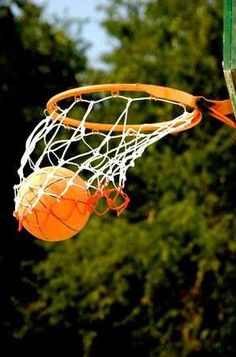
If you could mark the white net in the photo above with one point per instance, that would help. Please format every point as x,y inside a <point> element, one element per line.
<point>100,157</point>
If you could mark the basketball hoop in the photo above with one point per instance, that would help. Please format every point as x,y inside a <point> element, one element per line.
<point>101,152</point>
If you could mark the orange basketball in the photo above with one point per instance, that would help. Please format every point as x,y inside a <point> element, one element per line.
<point>49,208</point>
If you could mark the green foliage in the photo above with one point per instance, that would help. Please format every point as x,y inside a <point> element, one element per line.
<point>36,61</point>
<point>171,43</point>
<point>160,286</point>
<point>159,280</point>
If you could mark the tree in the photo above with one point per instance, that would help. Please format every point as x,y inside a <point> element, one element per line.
<point>37,60</point>
<point>170,43</point>
<point>158,281</point>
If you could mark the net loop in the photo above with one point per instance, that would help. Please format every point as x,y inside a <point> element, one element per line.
<point>109,199</point>
<point>115,94</point>
<point>78,98</point>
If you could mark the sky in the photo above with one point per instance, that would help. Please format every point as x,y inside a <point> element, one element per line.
<point>92,31</point>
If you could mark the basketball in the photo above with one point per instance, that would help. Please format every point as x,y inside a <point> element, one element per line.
<point>53,204</point>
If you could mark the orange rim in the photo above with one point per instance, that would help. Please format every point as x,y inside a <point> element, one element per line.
<point>165,93</point>
<point>219,109</point>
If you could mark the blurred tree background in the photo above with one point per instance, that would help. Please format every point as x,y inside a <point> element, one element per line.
<point>160,279</point>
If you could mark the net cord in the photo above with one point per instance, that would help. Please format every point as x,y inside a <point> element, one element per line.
<point>105,165</point>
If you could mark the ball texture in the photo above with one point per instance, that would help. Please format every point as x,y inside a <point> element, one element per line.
<point>53,204</point>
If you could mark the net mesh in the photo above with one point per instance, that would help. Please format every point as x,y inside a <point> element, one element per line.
<point>101,158</point>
